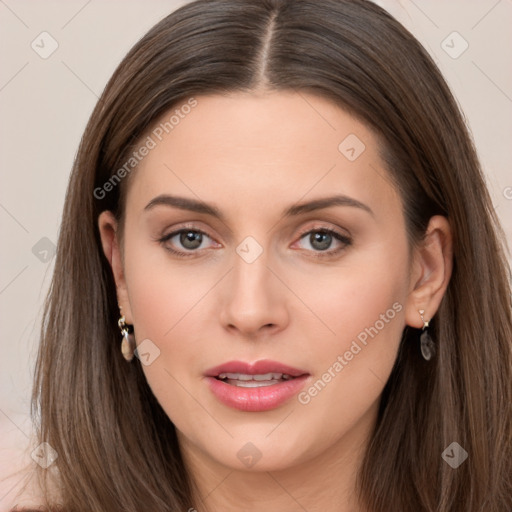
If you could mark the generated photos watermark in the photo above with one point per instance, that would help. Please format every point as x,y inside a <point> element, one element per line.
<point>151,142</point>
<point>344,359</point>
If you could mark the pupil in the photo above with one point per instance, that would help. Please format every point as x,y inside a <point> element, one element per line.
<point>191,239</point>
<point>321,239</point>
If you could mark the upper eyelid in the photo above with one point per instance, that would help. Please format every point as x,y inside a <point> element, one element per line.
<point>319,225</point>
<point>176,231</point>
<point>325,227</point>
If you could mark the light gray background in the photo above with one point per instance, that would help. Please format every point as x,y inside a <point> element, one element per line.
<point>45,104</point>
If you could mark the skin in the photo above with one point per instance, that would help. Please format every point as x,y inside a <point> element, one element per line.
<point>252,155</point>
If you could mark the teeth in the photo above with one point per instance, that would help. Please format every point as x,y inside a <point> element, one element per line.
<point>260,377</point>
<point>252,383</point>
<point>268,376</point>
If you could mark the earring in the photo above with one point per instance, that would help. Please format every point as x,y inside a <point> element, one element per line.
<point>428,349</point>
<point>128,343</point>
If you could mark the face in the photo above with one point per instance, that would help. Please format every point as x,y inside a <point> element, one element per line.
<point>268,321</point>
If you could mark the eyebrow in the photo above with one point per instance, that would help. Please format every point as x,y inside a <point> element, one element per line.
<point>194,205</point>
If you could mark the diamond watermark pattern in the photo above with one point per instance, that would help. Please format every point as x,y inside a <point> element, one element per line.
<point>249,249</point>
<point>44,250</point>
<point>44,455</point>
<point>249,455</point>
<point>454,45</point>
<point>147,352</point>
<point>351,147</point>
<point>44,45</point>
<point>454,455</point>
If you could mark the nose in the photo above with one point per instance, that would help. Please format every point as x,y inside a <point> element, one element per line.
<point>254,300</point>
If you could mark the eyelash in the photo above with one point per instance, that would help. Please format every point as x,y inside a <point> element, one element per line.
<point>345,241</point>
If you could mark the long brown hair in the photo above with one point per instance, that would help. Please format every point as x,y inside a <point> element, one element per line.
<point>117,449</point>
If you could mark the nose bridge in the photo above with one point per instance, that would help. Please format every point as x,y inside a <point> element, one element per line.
<point>250,277</point>
<point>252,299</point>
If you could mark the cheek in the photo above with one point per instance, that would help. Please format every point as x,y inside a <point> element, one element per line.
<point>168,307</point>
<point>356,295</point>
<point>164,297</point>
<point>363,304</point>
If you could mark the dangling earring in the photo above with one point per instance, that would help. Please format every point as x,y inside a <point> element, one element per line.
<point>428,349</point>
<point>128,343</point>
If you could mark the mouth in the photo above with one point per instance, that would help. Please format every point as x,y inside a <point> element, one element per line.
<point>265,371</point>
<point>255,387</point>
<point>244,380</point>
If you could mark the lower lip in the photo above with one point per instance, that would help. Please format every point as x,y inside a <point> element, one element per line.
<point>259,399</point>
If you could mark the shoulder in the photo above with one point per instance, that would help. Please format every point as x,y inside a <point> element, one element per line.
<point>19,489</point>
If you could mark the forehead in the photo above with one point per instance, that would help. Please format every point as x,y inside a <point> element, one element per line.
<point>275,146</point>
<point>296,122</point>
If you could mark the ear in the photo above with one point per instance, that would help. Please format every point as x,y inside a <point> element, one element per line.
<point>431,272</point>
<point>108,226</point>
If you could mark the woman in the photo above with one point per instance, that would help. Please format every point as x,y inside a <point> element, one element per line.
<point>278,205</point>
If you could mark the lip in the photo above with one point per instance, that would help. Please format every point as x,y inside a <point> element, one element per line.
<point>258,399</point>
<point>258,367</point>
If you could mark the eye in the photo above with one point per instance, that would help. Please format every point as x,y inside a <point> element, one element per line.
<point>186,242</point>
<point>187,238</point>
<point>320,241</point>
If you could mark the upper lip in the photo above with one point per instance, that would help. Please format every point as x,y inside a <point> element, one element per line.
<point>260,367</point>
